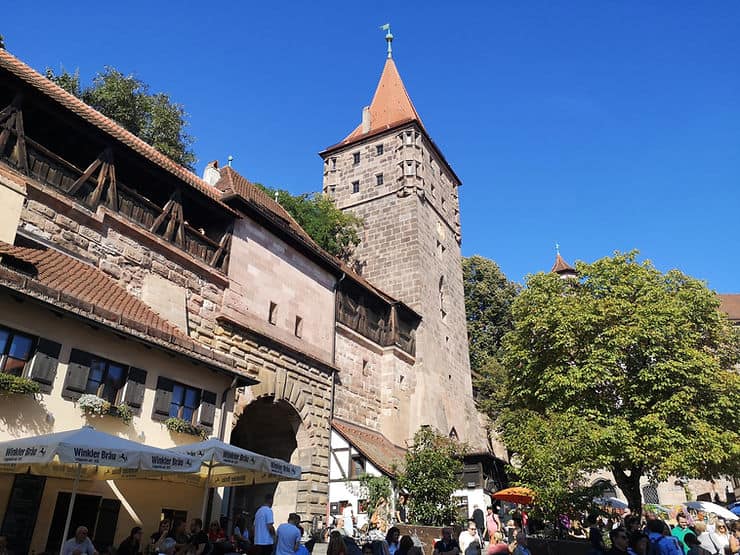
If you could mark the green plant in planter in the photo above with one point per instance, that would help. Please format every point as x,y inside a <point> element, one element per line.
<point>94,406</point>
<point>10,384</point>
<point>184,427</point>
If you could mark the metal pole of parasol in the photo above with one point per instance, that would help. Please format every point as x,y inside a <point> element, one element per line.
<point>205,492</point>
<point>71,506</point>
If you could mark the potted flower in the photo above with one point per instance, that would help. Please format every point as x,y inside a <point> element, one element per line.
<point>95,406</point>
<point>10,385</point>
<point>181,426</point>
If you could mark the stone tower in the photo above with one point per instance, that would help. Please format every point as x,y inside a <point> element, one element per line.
<point>390,173</point>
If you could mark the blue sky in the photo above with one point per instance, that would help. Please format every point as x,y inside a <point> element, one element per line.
<point>600,125</point>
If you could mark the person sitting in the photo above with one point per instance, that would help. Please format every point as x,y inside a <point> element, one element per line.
<point>160,535</point>
<point>132,544</point>
<point>167,547</point>
<point>447,544</point>
<point>521,544</point>
<point>405,544</point>
<point>80,544</point>
<point>198,543</point>
<point>215,533</point>
<point>391,538</point>
<point>469,540</point>
<point>498,545</point>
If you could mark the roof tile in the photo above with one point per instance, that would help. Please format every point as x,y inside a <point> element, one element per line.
<point>378,449</point>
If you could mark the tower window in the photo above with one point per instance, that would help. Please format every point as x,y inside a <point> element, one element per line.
<point>272,315</point>
<point>356,158</point>
<point>442,307</point>
<point>334,163</point>
<point>298,327</point>
<point>443,204</point>
<point>379,179</point>
<point>355,186</point>
<point>433,189</point>
<point>409,167</point>
<point>379,150</point>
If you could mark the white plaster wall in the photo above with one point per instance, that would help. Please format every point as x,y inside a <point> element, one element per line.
<point>12,195</point>
<point>22,416</point>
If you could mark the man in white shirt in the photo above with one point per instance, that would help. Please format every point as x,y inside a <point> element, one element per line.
<point>80,544</point>
<point>349,517</point>
<point>264,527</point>
<point>470,539</point>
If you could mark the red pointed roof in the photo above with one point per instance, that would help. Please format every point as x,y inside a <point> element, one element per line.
<point>390,107</point>
<point>561,266</point>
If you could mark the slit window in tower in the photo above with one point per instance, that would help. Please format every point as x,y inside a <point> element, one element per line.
<point>355,186</point>
<point>379,179</point>
<point>379,150</point>
<point>298,327</point>
<point>272,315</point>
<point>356,158</point>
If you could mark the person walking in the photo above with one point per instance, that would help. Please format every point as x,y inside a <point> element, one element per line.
<point>264,527</point>
<point>480,520</point>
<point>493,523</point>
<point>288,536</point>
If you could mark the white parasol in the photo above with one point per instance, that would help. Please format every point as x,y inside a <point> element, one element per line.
<point>224,464</point>
<point>708,507</point>
<point>67,453</point>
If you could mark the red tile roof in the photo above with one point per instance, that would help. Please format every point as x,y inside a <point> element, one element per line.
<point>92,116</point>
<point>390,107</point>
<point>379,450</point>
<point>69,284</point>
<point>561,266</point>
<point>730,304</point>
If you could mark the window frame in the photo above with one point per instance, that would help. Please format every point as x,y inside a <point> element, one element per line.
<point>379,150</point>
<point>355,187</point>
<point>180,413</point>
<point>5,351</point>
<point>106,380</point>
<point>356,158</point>
<point>379,179</point>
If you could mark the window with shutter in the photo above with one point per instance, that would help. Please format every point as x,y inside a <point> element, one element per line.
<point>207,412</point>
<point>133,394</point>
<point>43,367</point>
<point>78,370</point>
<point>162,399</point>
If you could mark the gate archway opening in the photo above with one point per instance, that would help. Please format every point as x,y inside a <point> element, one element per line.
<point>272,428</point>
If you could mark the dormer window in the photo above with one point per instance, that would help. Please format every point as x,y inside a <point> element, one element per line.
<point>356,158</point>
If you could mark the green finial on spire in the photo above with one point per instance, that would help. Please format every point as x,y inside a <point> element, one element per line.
<point>388,37</point>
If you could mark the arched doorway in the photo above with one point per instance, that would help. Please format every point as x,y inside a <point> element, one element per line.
<point>272,428</point>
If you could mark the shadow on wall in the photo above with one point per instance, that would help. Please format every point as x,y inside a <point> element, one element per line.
<point>25,415</point>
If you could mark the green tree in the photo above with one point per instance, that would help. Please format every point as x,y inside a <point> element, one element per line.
<point>637,365</point>
<point>373,489</point>
<point>153,117</point>
<point>430,476</point>
<point>488,299</point>
<point>335,231</point>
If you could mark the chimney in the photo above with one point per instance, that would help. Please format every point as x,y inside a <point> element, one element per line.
<point>366,119</point>
<point>211,174</point>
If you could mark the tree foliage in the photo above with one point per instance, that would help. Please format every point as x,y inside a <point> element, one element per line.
<point>429,475</point>
<point>630,368</point>
<point>335,231</point>
<point>488,299</point>
<point>153,117</point>
<point>374,488</point>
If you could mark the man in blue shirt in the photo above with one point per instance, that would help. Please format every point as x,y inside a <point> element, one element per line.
<point>661,544</point>
<point>288,536</point>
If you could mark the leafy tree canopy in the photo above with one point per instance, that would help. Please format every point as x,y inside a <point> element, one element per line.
<point>153,117</point>
<point>430,476</point>
<point>630,368</point>
<point>335,231</point>
<point>373,489</point>
<point>488,299</point>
